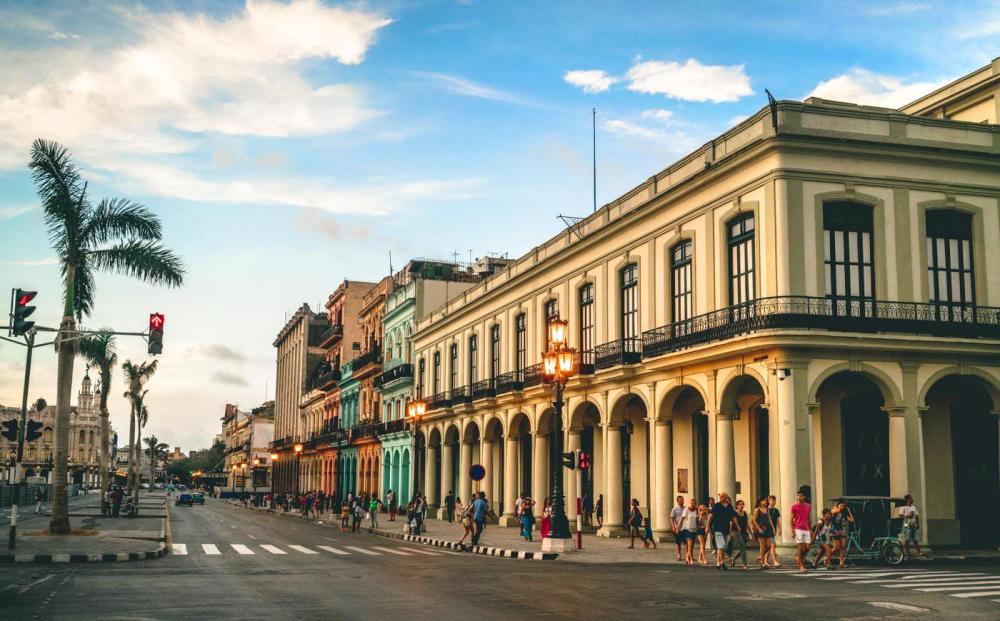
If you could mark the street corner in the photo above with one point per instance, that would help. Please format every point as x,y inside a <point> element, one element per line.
<point>498,552</point>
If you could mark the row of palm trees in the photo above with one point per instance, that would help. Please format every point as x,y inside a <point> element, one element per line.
<point>113,235</point>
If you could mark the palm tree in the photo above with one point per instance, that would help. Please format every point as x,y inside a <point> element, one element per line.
<point>136,376</point>
<point>156,450</point>
<point>115,235</point>
<point>99,351</point>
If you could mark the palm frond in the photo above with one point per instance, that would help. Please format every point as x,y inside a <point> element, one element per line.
<point>120,218</point>
<point>84,288</point>
<point>143,259</point>
<point>58,185</point>
<point>143,416</point>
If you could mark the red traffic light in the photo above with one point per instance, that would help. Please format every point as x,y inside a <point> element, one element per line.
<point>23,297</point>
<point>584,461</point>
<point>156,321</point>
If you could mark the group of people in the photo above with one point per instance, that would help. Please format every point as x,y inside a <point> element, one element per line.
<point>472,516</point>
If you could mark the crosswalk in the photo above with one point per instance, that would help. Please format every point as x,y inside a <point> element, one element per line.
<point>964,585</point>
<point>211,549</point>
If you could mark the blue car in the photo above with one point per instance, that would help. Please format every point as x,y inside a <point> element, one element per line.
<point>185,499</point>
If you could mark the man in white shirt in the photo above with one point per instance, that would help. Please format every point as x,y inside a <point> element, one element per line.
<point>675,522</point>
<point>911,526</point>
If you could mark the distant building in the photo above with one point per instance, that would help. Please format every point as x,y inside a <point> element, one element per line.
<point>247,437</point>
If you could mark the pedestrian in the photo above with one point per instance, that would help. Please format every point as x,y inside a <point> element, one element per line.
<point>841,520</point>
<point>599,510</point>
<point>359,515</point>
<point>721,521</point>
<point>588,510</point>
<point>38,501</point>
<point>345,515</point>
<point>116,501</point>
<point>911,527</point>
<point>422,513</point>
<point>821,535</point>
<point>466,521</point>
<point>527,517</point>
<point>307,504</point>
<point>740,535</point>
<point>419,506</point>
<point>517,506</point>
<point>689,531</point>
<point>702,533</point>
<point>675,523</point>
<point>460,509</point>
<point>649,533</point>
<point>709,541</point>
<point>772,510</point>
<point>449,506</point>
<point>546,525</point>
<point>390,499</point>
<point>801,529</point>
<point>106,504</point>
<point>763,530</point>
<point>374,506</point>
<point>479,510</point>
<point>634,524</point>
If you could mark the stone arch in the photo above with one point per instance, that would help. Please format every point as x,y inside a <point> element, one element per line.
<point>676,391</point>
<point>545,422</point>
<point>519,423</point>
<point>451,433</point>
<point>891,391</point>
<point>583,410</point>
<point>434,437</point>
<point>739,392</point>
<point>632,399</point>
<point>990,383</point>
<point>493,428</point>
<point>471,431</point>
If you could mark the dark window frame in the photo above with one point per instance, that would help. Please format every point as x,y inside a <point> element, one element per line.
<point>681,280</point>
<point>628,278</point>
<point>520,342</point>
<point>586,297</point>
<point>495,351</point>
<point>741,258</point>
<point>951,262</point>
<point>849,257</point>
<point>473,358</point>
<point>437,372</point>
<point>453,364</point>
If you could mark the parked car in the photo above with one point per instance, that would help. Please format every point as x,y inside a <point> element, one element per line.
<point>185,499</point>
<point>157,485</point>
<point>144,486</point>
<point>198,498</point>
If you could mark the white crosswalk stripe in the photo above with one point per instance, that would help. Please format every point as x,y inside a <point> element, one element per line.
<point>953,583</point>
<point>392,551</point>
<point>333,550</point>
<point>242,549</point>
<point>179,548</point>
<point>303,549</point>
<point>427,552</point>
<point>986,594</point>
<point>210,549</point>
<point>363,551</point>
<point>985,585</point>
<point>273,549</point>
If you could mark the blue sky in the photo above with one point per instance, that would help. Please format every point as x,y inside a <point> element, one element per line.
<point>288,145</point>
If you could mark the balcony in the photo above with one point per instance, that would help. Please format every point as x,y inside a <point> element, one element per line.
<point>281,443</point>
<point>585,362</point>
<point>462,394</point>
<point>533,376</point>
<point>483,389</point>
<point>331,335</point>
<point>327,379</point>
<point>615,353</point>
<point>398,372</point>
<point>370,357</point>
<point>440,400</point>
<point>367,429</point>
<point>392,426</point>
<point>839,315</point>
<point>509,382</point>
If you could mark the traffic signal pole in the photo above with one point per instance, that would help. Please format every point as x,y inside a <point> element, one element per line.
<point>21,429</point>
<point>579,504</point>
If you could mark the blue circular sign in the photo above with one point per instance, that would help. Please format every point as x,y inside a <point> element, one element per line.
<point>477,473</point>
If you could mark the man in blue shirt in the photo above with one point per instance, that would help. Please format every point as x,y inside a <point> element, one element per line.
<point>479,509</point>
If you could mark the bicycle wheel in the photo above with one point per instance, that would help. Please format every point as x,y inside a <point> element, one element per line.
<point>892,553</point>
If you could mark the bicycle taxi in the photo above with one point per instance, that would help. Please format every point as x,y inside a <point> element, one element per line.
<point>874,536</point>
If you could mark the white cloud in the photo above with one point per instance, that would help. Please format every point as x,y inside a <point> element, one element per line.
<point>622,127</point>
<point>590,80</point>
<point>468,88</point>
<point>690,81</point>
<point>14,211</point>
<point>862,86</point>
<point>664,116</point>
<point>34,262</point>
<point>895,8</point>
<point>191,73</point>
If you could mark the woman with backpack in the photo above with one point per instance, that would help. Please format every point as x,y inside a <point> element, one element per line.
<point>635,527</point>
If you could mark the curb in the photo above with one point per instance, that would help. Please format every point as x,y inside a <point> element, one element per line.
<point>454,545</point>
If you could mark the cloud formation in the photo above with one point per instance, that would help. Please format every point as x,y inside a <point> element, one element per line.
<point>687,81</point>
<point>467,88</point>
<point>862,86</point>
<point>219,351</point>
<point>231,379</point>
<point>590,80</point>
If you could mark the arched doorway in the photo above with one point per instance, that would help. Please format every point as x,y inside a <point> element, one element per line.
<point>468,456</point>
<point>520,428</point>
<point>684,406</point>
<point>450,462</point>
<point>629,416</point>
<point>433,468</point>
<point>403,493</point>
<point>961,439</point>
<point>740,409</point>
<point>492,460</point>
<point>586,419</point>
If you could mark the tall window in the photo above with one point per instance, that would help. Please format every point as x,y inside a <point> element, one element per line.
<point>587,318</point>
<point>848,255</point>
<point>453,365</point>
<point>551,312</point>
<point>741,259</point>
<point>950,279</point>
<point>680,280</point>
<point>494,352</point>
<point>421,370</point>
<point>437,372</point>
<point>473,359</point>
<point>630,303</point>
<point>521,342</point>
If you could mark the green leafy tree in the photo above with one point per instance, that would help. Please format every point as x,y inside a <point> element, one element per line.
<point>114,235</point>
<point>99,352</point>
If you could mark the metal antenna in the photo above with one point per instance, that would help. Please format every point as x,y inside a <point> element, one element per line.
<point>594,145</point>
<point>573,224</point>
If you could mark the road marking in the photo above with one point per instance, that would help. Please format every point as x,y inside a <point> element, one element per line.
<point>179,548</point>
<point>273,549</point>
<point>364,551</point>
<point>427,552</point>
<point>880,574</point>
<point>242,549</point>
<point>392,551</point>
<point>930,574</point>
<point>252,537</point>
<point>897,606</point>
<point>210,548</point>
<point>935,582</point>
<point>333,550</point>
<point>28,586</point>
<point>987,594</point>
<point>972,586</point>
<point>232,526</point>
<point>303,549</point>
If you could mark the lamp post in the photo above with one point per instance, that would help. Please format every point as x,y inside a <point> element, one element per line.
<point>558,365</point>
<point>415,411</point>
<point>270,481</point>
<point>298,455</point>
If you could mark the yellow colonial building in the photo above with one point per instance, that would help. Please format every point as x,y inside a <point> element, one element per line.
<point>811,298</point>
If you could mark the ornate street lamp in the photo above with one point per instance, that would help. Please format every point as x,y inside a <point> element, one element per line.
<point>415,411</point>
<point>558,366</point>
<point>298,468</point>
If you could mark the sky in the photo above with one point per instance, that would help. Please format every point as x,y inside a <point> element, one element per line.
<point>289,145</point>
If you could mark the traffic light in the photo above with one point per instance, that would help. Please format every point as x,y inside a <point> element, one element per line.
<point>20,311</point>
<point>584,461</point>
<point>32,431</point>
<point>155,333</point>
<point>569,460</point>
<point>10,430</point>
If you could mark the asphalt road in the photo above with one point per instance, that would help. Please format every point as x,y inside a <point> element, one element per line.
<point>243,565</point>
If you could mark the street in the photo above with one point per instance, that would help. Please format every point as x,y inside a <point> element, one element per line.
<point>230,562</point>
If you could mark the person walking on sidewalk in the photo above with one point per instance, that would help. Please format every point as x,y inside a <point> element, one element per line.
<point>741,534</point>
<point>772,510</point>
<point>702,533</point>
<point>634,524</point>
<point>689,530</point>
<point>801,528</point>
<point>527,517</point>
<point>374,505</point>
<point>721,521</point>
<point>841,520</point>
<point>821,535</point>
<point>675,525</point>
<point>763,530</point>
<point>345,516</point>
<point>588,510</point>
<point>466,521</point>
<point>116,501</point>
<point>599,510</point>
<point>648,527</point>
<point>449,506</point>
<point>38,501</point>
<point>390,499</point>
<point>546,525</point>
<point>479,509</point>
<point>911,527</point>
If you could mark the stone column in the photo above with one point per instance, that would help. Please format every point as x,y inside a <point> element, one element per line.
<point>664,476</point>
<point>486,459</point>
<point>793,442</point>
<point>569,478</point>
<point>725,453</point>
<point>464,490</point>
<point>613,482</point>
<point>898,479</point>
<point>509,482</point>
<point>539,481</point>
<point>430,476</point>
<point>446,480</point>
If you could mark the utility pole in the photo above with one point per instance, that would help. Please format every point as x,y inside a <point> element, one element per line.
<point>22,424</point>
<point>594,145</point>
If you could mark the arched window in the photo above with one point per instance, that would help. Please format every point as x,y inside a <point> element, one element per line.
<point>680,281</point>
<point>741,259</point>
<point>950,281</point>
<point>848,254</point>
<point>629,278</point>
<point>551,312</point>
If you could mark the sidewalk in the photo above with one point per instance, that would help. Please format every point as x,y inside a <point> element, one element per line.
<point>102,539</point>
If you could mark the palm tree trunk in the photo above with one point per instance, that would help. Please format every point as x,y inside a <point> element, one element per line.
<point>105,454</point>
<point>138,459</point>
<point>131,449</point>
<point>59,524</point>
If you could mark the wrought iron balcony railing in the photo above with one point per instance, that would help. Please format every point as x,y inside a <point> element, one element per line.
<point>392,426</point>
<point>585,362</point>
<point>484,389</point>
<point>839,315</point>
<point>397,372</point>
<point>622,351</point>
<point>533,375</point>
<point>372,356</point>
<point>440,400</point>
<point>281,442</point>
<point>330,335</point>
<point>326,380</point>
<point>509,382</point>
<point>462,394</point>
